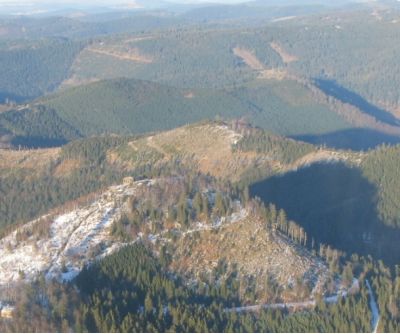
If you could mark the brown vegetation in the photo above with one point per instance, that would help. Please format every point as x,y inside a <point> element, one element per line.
<point>66,167</point>
<point>286,57</point>
<point>133,55</point>
<point>252,61</point>
<point>259,254</point>
<point>33,160</point>
<point>249,58</point>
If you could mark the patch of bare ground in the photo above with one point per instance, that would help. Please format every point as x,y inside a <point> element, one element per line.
<point>249,58</point>
<point>209,148</point>
<point>188,95</point>
<point>209,145</point>
<point>284,18</point>
<point>133,55</point>
<point>253,62</point>
<point>205,147</point>
<point>35,160</point>
<point>286,57</point>
<point>6,107</point>
<point>255,251</point>
<point>74,81</point>
<point>273,74</point>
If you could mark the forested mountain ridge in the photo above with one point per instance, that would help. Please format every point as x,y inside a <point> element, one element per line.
<point>293,77</point>
<point>67,241</point>
<point>262,73</point>
<point>315,46</point>
<point>177,209</point>
<point>131,106</point>
<point>32,69</point>
<point>232,151</point>
<point>219,168</point>
<point>241,156</point>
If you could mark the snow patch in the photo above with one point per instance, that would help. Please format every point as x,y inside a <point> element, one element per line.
<point>76,238</point>
<point>374,309</point>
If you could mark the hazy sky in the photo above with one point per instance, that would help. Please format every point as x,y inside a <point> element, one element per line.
<point>22,2</point>
<point>200,1</point>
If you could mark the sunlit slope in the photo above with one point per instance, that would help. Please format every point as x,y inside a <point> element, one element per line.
<point>126,106</point>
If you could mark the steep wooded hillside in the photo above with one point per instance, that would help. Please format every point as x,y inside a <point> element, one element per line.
<point>32,69</point>
<point>130,106</point>
<point>30,188</point>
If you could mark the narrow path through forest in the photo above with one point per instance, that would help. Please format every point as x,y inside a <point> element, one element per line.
<point>374,309</point>
<point>312,302</point>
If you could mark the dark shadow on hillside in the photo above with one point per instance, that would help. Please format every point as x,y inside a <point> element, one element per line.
<point>4,96</point>
<point>333,89</point>
<point>37,142</point>
<point>354,139</point>
<point>336,206</point>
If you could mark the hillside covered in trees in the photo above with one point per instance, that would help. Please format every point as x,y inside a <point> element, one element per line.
<point>32,69</point>
<point>200,168</point>
<point>130,106</point>
<point>297,77</point>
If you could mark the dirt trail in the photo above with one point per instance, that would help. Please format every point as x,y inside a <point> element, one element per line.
<point>295,305</point>
<point>133,56</point>
<point>374,309</point>
<point>157,147</point>
<point>319,156</point>
<point>138,39</point>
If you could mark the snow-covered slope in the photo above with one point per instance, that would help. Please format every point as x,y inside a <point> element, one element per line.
<point>60,245</point>
<point>74,239</point>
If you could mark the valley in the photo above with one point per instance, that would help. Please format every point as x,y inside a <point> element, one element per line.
<point>198,167</point>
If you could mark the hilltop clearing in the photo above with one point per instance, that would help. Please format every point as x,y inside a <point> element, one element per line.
<point>59,245</point>
<point>229,151</point>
